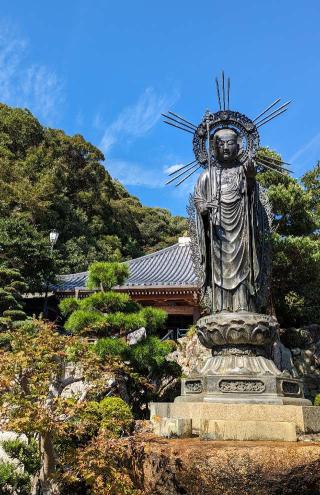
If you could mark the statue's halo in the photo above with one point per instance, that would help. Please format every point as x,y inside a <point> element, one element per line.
<point>225,119</point>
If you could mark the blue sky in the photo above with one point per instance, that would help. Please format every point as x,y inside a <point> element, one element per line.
<point>107,70</point>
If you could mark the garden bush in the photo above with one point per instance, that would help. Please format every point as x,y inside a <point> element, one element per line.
<point>69,305</point>
<point>111,347</point>
<point>80,320</point>
<point>13,481</point>
<point>26,452</point>
<point>155,319</point>
<point>317,400</point>
<point>116,415</point>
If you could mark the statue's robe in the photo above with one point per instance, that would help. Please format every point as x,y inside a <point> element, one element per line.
<point>234,262</point>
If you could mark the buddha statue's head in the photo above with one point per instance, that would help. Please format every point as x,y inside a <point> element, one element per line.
<point>226,146</point>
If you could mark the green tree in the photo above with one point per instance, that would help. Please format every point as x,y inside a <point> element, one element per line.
<point>109,313</point>
<point>12,287</point>
<point>51,180</point>
<point>24,248</point>
<point>33,378</point>
<point>109,317</point>
<point>295,244</point>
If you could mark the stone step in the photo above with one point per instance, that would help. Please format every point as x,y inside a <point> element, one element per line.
<point>213,429</point>
<point>305,418</point>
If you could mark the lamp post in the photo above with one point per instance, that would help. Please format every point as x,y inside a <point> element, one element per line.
<point>53,237</point>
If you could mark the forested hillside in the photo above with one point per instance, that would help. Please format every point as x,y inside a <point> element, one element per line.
<point>51,180</point>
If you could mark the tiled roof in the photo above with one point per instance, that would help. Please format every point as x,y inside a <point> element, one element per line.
<point>171,266</point>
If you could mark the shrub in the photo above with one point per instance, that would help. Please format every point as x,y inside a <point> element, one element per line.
<point>317,400</point>
<point>27,453</point>
<point>105,275</point>
<point>191,331</point>
<point>5,339</point>
<point>5,324</point>
<point>116,415</point>
<point>155,319</point>
<point>123,323</point>
<point>111,347</point>
<point>15,314</point>
<point>88,420</point>
<point>81,320</point>
<point>68,305</point>
<point>109,302</point>
<point>13,481</point>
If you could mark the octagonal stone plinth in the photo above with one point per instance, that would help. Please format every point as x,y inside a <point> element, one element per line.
<point>241,369</point>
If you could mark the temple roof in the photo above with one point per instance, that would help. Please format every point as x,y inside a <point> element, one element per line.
<point>169,267</point>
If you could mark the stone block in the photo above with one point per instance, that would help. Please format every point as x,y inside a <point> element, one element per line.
<point>172,427</point>
<point>247,430</point>
<point>305,418</point>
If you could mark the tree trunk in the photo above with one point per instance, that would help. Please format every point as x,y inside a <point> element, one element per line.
<point>122,387</point>
<point>44,484</point>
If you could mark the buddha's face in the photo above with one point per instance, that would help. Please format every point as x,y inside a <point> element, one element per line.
<point>226,145</point>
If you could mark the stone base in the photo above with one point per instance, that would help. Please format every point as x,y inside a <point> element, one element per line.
<point>173,427</point>
<point>241,369</point>
<point>211,429</point>
<point>235,421</point>
<point>243,388</point>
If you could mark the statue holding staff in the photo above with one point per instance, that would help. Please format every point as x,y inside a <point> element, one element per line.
<point>227,204</point>
<point>230,222</point>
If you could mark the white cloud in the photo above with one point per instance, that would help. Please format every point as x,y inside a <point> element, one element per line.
<point>172,168</point>
<point>23,84</point>
<point>133,174</point>
<point>187,175</point>
<point>43,88</point>
<point>136,120</point>
<point>308,153</point>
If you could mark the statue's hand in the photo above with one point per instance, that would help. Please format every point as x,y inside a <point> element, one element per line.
<point>212,205</point>
<point>249,169</point>
<point>205,207</point>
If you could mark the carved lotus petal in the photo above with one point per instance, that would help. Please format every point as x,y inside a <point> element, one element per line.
<point>237,335</point>
<point>261,335</point>
<point>205,339</point>
<point>234,328</point>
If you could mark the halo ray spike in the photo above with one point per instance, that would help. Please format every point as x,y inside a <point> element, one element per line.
<point>223,92</point>
<point>178,122</point>
<point>268,108</point>
<point>182,118</point>
<point>271,118</point>
<point>277,164</point>
<point>273,169</point>
<point>185,178</point>
<point>273,165</point>
<point>274,111</point>
<point>228,93</point>
<point>275,160</point>
<point>218,93</point>
<point>182,173</point>
<point>181,128</point>
<point>181,168</point>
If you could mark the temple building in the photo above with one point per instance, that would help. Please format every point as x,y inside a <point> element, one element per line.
<point>165,279</point>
